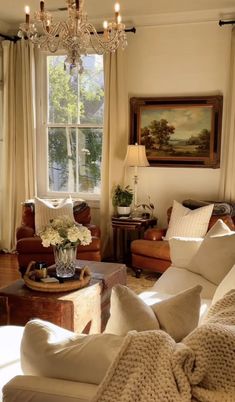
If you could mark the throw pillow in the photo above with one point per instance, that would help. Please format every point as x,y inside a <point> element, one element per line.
<point>225,286</point>
<point>182,250</point>
<point>216,254</point>
<point>178,315</point>
<point>185,222</point>
<point>128,312</point>
<point>50,351</point>
<point>45,210</point>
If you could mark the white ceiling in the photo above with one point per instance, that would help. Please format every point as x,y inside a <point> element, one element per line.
<point>12,11</point>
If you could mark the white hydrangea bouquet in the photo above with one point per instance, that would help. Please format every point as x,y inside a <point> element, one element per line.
<point>65,233</point>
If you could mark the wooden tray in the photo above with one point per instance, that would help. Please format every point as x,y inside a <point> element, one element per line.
<point>83,278</point>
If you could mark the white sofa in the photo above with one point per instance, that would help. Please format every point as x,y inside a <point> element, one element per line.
<point>40,389</point>
<point>215,254</point>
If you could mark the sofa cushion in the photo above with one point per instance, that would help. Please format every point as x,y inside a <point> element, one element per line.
<point>45,210</point>
<point>216,254</point>
<point>175,279</point>
<point>50,351</point>
<point>44,389</point>
<point>183,249</point>
<point>185,222</point>
<point>177,315</point>
<point>128,312</point>
<point>225,286</point>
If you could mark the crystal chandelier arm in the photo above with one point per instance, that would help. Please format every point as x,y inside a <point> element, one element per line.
<point>74,34</point>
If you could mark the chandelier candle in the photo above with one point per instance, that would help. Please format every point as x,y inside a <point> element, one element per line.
<point>27,11</point>
<point>117,11</point>
<point>42,6</point>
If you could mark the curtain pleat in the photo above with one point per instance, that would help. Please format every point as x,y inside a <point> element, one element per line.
<point>115,140</point>
<point>18,136</point>
<point>227,184</point>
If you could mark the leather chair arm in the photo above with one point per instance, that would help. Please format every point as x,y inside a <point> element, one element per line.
<point>24,231</point>
<point>154,234</point>
<point>95,230</point>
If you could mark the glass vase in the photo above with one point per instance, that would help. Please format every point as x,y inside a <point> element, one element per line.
<point>65,261</point>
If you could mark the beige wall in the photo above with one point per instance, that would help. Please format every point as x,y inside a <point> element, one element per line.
<point>181,59</point>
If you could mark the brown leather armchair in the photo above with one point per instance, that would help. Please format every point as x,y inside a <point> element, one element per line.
<point>29,246</point>
<point>153,254</point>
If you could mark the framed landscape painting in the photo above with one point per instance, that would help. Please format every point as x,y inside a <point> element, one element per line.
<point>182,131</point>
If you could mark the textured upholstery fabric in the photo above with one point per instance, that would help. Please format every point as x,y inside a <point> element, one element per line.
<point>185,222</point>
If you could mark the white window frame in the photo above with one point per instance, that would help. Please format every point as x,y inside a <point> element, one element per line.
<point>41,135</point>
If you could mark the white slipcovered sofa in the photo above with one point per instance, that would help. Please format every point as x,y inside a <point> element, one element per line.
<point>189,272</point>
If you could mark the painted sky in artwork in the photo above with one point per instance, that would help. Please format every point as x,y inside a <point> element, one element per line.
<point>187,121</point>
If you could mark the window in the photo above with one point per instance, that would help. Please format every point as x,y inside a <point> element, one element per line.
<point>72,128</point>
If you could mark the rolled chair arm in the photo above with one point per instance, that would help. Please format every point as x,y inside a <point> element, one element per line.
<point>154,234</point>
<point>95,230</point>
<point>24,231</point>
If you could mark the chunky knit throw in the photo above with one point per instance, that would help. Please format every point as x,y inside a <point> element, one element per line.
<point>152,367</point>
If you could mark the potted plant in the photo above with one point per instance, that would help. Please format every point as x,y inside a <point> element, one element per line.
<point>122,199</point>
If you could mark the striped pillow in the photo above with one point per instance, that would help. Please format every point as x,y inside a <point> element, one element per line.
<point>45,210</point>
<point>185,222</point>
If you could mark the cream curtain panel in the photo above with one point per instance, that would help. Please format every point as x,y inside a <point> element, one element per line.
<point>115,140</point>
<point>227,185</point>
<point>18,135</point>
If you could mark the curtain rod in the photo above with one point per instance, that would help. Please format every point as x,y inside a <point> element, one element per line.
<point>221,22</point>
<point>16,38</point>
<point>11,38</point>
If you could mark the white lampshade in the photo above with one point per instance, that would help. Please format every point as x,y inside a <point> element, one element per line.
<point>136,156</point>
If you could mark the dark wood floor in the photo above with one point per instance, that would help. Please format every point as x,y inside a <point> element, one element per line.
<point>8,269</point>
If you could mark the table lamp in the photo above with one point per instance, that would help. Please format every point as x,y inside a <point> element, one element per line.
<point>136,156</point>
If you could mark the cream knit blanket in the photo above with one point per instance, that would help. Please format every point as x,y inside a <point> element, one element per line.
<point>152,367</point>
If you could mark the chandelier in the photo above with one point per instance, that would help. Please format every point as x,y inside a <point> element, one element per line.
<point>74,34</point>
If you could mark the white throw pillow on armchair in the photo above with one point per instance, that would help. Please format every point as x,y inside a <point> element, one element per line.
<point>185,222</point>
<point>45,210</point>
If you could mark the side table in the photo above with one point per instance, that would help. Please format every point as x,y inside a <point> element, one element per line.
<point>121,227</point>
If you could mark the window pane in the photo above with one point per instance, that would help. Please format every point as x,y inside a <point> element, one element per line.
<point>75,98</point>
<point>74,159</point>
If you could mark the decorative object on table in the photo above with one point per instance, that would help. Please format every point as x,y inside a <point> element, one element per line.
<point>65,235</point>
<point>52,284</point>
<point>136,157</point>
<point>178,131</point>
<point>144,210</point>
<point>74,34</point>
<point>40,270</point>
<point>122,199</point>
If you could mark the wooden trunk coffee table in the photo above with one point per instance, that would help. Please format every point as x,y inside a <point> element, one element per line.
<point>82,310</point>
